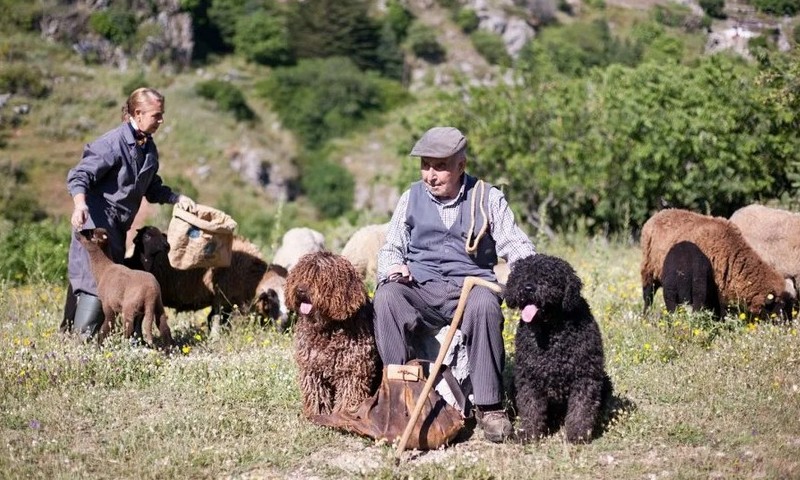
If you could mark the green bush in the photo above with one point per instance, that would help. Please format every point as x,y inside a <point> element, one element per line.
<point>31,252</point>
<point>713,8</point>
<point>138,80</point>
<point>777,7</point>
<point>389,54</point>
<point>678,16</point>
<point>263,38</point>
<point>565,6</point>
<point>398,18</point>
<point>227,97</point>
<point>18,202</point>
<point>324,98</point>
<point>575,49</point>
<point>491,47</point>
<point>222,15</point>
<point>467,20</point>
<point>116,25</point>
<point>23,79</point>
<point>329,186</point>
<point>20,16</point>
<point>597,154</point>
<point>336,28</point>
<point>422,41</point>
<point>796,34</point>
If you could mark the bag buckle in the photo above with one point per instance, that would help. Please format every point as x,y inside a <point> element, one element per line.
<point>407,373</point>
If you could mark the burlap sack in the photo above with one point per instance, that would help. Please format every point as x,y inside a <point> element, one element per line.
<point>200,238</point>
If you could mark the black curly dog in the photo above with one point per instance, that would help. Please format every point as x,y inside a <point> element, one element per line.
<point>559,375</point>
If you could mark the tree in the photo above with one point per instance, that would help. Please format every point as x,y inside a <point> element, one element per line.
<point>601,153</point>
<point>263,38</point>
<point>335,28</point>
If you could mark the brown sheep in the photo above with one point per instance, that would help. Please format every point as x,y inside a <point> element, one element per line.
<point>774,234</point>
<point>742,277</point>
<point>334,344</point>
<point>248,283</point>
<point>134,294</point>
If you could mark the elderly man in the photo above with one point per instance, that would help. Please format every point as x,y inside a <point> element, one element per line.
<point>448,226</point>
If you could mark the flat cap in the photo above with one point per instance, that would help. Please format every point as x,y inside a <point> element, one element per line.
<point>439,142</point>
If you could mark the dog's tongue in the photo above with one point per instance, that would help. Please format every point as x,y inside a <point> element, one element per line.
<point>305,308</point>
<point>529,312</point>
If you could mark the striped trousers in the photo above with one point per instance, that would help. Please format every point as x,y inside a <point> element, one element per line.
<point>403,311</point>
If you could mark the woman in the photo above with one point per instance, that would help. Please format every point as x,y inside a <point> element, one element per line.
<point>107,186</point>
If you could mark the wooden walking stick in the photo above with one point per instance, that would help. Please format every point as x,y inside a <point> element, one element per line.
<point>469,282</point>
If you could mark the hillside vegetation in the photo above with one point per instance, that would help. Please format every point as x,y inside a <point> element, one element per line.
<point>606,114</point>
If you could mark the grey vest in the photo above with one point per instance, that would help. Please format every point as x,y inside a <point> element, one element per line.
<point>436,252</point>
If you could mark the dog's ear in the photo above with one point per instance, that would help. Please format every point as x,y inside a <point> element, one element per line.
<point>572,293</point>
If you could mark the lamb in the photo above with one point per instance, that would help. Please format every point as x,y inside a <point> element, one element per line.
<point>134,294</point>
<point>362,249</point>
<point>296,243</point>
<point>742,277</point>
<point>774,234</point>
<point>249,282</point>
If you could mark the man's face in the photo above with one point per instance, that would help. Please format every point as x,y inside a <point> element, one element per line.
<point>150,116</point>
<point>442,176</point>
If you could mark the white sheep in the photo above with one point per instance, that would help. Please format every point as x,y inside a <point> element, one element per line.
<point>362,249</point>
<point>774,234</point>
<point>296,243</point>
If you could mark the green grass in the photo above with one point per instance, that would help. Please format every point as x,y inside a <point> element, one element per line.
<point>694,399</point>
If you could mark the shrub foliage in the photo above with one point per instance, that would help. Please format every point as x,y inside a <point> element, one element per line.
<point>602,153</point>
<point>324,98</point>
<point>227,96</point>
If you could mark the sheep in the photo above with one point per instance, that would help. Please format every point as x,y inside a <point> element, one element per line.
<point>688,278</point>
<point>774,234</point>
<point>742,277</point>
<point>296,243</point>
<point>362,249</point>
<point>134,294</point>
<point>248,282</point>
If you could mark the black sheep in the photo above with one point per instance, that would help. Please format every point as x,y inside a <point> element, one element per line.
<point>688,278</point>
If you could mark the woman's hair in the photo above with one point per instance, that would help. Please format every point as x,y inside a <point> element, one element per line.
<point>139,97</point>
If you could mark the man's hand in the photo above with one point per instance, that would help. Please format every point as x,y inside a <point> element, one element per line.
<point>399,273</point>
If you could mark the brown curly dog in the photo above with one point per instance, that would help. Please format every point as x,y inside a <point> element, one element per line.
<point>334,343</point>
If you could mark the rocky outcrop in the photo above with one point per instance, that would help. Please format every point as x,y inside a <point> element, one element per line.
<point>164,33</point>
<point>515,31</point>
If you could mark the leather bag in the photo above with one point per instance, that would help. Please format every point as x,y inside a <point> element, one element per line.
<point>384,415</point>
